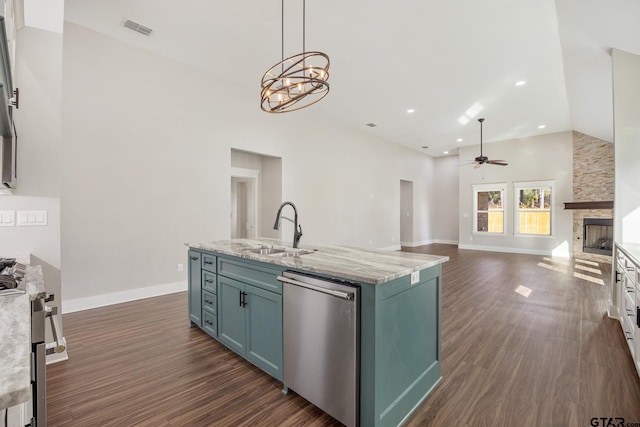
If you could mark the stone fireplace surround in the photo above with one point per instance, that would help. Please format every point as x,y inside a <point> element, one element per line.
<point>593,181</point>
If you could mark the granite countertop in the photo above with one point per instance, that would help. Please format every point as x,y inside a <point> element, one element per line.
<point>362,265</point>
<point>15,339</point>
<point>632,249</point>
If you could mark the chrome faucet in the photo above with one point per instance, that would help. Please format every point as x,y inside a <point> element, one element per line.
<point>297,229</point>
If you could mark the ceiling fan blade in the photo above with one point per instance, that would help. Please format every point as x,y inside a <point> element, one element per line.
<point>466,163</point>
<point>497,162</point>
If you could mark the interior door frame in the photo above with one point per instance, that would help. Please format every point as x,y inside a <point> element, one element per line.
<point>252,175</point>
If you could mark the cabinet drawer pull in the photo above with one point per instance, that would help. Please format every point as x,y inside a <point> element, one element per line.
<point>209,281</point>
<point>638,316</point>
<point>208,262</point>
<point>617,276</point>
<point>208,302</point>
<point>195,258</point>
<point>630,290</point>
<point>629,312</point>
<point>628,334</point>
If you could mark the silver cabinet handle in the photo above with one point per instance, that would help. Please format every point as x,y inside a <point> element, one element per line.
<point>344,295</point>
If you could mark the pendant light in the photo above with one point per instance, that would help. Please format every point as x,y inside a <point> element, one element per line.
<point>297,81</point>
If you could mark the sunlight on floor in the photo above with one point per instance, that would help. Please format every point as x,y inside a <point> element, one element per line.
<point>584,261</point>
<point>553,267</point>
<point>562,261</point>
<point>564,266</point>
<point>588,269</point>
<point>588,278</point>
<point>523,290</point>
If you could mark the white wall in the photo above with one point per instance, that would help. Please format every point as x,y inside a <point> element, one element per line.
<point>406,213</point>
<point>626,103</point>
<point>146,164</point>
<point>445,199</point>
<point>38,67</point>
<point>539,158</point>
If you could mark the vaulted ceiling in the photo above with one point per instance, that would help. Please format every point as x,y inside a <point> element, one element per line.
<point>437,58</point>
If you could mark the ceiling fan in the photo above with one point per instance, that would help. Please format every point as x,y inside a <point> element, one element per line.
<point>481,160</point>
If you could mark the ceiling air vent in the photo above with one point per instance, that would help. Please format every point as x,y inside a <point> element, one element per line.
<point>133,25</point>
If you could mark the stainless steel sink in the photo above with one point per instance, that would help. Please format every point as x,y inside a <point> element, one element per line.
<point>275,251</point>
<point>294,253</point>
<point>266,250</point>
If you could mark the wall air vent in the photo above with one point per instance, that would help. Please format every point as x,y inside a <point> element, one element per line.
<point>133,25</point>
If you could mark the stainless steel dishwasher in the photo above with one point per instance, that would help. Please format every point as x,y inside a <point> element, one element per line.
<point>321,324</point>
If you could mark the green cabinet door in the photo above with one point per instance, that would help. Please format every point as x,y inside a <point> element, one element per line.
<point>264,330</point>
<point>195,288</point>
<point>231,314</point>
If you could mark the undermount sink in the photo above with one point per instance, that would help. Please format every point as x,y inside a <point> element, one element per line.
<point>282,252</point>
<point>266,250</point>
<point>294,253</point>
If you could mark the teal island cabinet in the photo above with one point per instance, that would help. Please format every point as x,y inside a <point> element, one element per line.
<point>237,299</point>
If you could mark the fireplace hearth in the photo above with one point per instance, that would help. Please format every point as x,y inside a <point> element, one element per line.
<point>597,235</point>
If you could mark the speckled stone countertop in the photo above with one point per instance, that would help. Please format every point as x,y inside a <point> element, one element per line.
<point>632,250</point>
<point>361,265</point>
<point>15,339</point>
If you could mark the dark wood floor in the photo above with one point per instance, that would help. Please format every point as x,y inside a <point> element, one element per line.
<point>525,341</point>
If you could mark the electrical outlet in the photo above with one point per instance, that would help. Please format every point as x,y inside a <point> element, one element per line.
<point>180,267</point>
<point>415,277</point>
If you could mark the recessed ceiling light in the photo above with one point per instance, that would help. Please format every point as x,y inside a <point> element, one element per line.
<point>474,109</point>
<point>463,120</point>
<point>459,140</point>
<point>521,83</point>
<point>372,125</point>
<point>425,146</point>
<point>542,126</point>
<point>410,110</point>
<point>445,152</point>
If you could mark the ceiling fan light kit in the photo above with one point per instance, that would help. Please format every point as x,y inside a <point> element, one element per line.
<point>481,159</point>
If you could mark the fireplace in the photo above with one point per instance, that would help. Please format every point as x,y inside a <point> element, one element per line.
<point>598,235</point>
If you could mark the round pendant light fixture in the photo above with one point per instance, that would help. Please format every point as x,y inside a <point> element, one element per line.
<point>295,82</point>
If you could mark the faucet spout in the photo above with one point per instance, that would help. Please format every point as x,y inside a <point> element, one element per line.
<point>297,229</point>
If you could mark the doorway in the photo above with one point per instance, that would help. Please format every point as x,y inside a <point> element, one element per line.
<point>256,194</point>
<point>244,203</point>
<point>406,213</point>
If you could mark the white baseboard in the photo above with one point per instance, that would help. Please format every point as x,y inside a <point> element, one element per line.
<point>416,244</point>
<point>515,250</point>
<point>445,242</point>
<point>79,304</point>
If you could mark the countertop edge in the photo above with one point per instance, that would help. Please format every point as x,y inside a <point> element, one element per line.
<point>240,252</point>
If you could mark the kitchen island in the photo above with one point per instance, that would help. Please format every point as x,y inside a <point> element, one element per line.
<point>236,297</point>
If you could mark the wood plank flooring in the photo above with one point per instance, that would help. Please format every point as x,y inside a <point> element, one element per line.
<point>551,358</point>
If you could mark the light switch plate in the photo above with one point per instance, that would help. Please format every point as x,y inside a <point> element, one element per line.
<point>415,277</point>
<point>32,218</point>
<point>7,218</point>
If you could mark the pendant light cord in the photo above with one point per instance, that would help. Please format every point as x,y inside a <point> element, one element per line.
<point>304,24</point>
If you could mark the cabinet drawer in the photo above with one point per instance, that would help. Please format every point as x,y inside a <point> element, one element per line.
<point>209,282</point>
<point>210,302</point>
<point>256,274</point>
<point>210,323</point>
<point>209,263</point>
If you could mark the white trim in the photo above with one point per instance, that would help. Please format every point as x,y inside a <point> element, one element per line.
<point>517,186</point>
<point>79,304</point>
<point>254,176</point>
<point>446,242</point>
<point>475,188</point>
<point>416,244</point>
<point>516,250</point>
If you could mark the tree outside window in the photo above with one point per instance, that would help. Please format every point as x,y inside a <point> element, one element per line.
<point>489,209</point>
<point>533,214</point>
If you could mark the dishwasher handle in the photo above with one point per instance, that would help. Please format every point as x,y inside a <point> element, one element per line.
<point>344,295</point>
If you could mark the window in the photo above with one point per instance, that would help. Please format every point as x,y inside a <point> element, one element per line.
<point>533,207</point>
<point>488,208</point>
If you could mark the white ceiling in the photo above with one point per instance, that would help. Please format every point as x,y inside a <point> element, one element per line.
<point>438,58</point>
